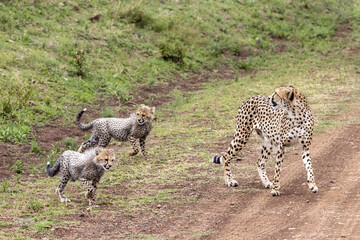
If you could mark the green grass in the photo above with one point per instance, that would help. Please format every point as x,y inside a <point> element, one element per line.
<point>53,58</point>
<point>54,61</point>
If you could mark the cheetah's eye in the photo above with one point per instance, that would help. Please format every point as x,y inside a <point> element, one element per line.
<point>106,159</point>
<point>143,115</point>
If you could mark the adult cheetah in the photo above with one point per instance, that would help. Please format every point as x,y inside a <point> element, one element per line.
<point>282,120</point>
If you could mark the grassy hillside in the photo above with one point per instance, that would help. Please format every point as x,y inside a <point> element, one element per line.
<point>53,58</point>
<point>54,61</point>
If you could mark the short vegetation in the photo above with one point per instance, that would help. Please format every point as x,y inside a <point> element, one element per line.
<point>55,60</point>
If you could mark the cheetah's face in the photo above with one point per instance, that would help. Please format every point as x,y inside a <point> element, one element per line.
<point>282,97</point>
<point>105,158</point>
<point>144,114</point>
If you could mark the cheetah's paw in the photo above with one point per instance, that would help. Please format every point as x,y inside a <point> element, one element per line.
<point>313,187</point>
<point>275,192</point>
<point>133,153</point>
<point>268,184</point>
<point>232,183</point>
<point>65,200</point>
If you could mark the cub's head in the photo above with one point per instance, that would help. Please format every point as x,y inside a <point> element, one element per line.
<point>144,114</point>
<point>283,97</point>
<point>105,158</point>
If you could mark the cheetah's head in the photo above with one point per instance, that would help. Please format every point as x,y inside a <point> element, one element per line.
<point>283,97</point>
<point>144,114</point>
<point>105,158</point>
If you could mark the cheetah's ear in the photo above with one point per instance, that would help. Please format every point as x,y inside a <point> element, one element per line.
<point>142,105</point>
<point>292,86</point>
<point>98,151</point>
<point>291,95</point>
<point>153,110</point>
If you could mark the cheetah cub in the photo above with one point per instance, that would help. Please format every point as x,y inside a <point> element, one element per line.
<point>86,167</point>
<point>137,126</point>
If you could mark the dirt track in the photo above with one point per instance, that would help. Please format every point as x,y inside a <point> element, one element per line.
<point>238,213</point>
<point>333,213</point>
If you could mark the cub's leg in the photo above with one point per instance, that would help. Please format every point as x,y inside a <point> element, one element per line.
<point>92,192</point>
<point>104,141</point>
<point>134,146</point>
<point>265,153</point>
<point>275,191</point>
<point>89,143</point>
<point>307,163</point>
<point>60,190</point>
<point>87,186</point>
<point>142,146</point>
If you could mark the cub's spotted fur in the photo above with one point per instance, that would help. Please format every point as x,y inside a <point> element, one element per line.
<point>88,168</point>
<point>282,120</point>
<point>137,126</point>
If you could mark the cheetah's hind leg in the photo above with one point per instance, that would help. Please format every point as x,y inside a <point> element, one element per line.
<point>265,153</point>
<point>60,189</point>
<point>88,144</point>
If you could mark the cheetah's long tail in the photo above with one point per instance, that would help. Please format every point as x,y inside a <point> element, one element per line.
<point>80,125</point>
<point>217,159</point>
<point>52,171</point>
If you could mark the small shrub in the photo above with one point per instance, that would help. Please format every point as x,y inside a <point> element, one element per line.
<point>54,153</point>
<point>35,148</point>
<point>18,166</point>
<point>16,98</point>
<point>235,49</point>
<point>35,205</point>
<point>17,178</point>
<point>70,143</point>
<point>5,186</point>
<point>118,91</point>
<point>245,65</point>
<point>79,62</point>
<point>14,133</point>
<point>107,113</point>
<point>215,50</point>
<point>173,50</point>
<point>139,17</point>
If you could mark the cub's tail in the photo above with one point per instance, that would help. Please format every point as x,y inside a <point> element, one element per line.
<point>81,126</point>
<point>217,159</point>
<point>52,171</point>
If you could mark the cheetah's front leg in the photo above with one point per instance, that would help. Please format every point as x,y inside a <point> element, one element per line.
<point>92,193</point>
<point>134,146</point>
<point>142,146</point>
<point>275,191</point>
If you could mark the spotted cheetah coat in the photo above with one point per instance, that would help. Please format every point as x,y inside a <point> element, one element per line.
<point>137,126</point>
<point>82,167</point>
<point>281,120</point>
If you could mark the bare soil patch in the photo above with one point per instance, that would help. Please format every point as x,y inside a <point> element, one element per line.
<point>333,213</point>
<point>213,211</point>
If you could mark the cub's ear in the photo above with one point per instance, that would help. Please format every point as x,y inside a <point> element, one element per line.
<point>153,110</point>
<point>142,105</point>
<point>291,95</point>
<point>98,151</point>
<point>291,86</point>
